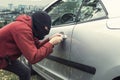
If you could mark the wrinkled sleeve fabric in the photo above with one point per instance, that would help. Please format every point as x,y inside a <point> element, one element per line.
<point>25,42</point>
<point>39,43</point>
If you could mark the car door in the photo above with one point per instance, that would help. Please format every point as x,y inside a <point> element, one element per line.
<point>63,15</point>
<point>87,41</point>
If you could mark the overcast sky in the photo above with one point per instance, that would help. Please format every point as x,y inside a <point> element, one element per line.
<point>29,2</point>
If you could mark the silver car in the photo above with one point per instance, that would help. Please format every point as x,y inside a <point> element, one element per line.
<point>91,46</point>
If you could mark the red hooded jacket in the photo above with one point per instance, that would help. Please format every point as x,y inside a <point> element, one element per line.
<point>17,38</point>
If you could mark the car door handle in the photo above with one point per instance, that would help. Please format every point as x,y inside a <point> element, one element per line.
<point>64,36</point>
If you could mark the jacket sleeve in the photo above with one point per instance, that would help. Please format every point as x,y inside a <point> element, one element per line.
<point>25,42</point>
<point>39,43</point>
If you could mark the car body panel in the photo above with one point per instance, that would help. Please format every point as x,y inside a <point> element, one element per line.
<point>111,7</point>
<point>113,23</point>
<point>98,46</point>
<point>60,51</point>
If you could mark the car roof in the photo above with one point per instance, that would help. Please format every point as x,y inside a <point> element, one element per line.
<point>112,7</point>
<point>52,2</point>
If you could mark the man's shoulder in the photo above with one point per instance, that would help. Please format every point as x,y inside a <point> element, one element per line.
<point>18,26</point>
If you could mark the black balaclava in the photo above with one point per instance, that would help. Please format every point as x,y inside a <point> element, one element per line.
<point>40,19</point>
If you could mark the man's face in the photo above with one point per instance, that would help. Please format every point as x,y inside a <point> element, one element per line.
<point>40,35</point>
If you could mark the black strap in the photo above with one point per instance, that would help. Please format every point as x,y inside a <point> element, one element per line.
<point>8,60</point>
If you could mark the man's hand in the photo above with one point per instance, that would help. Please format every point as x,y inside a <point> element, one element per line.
<point>57,38</point>
<point>54,35</point>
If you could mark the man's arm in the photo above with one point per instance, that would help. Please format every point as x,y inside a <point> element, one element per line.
<point>26,44</point>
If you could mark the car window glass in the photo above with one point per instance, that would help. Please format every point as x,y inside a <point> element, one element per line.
<point>90,10</point>
<point>64,12</point>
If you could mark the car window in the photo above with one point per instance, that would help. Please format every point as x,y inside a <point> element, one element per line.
<point>64,12</point>
<point>90,10</point>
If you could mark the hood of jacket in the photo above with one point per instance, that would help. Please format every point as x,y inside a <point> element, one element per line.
<point>24,18</point>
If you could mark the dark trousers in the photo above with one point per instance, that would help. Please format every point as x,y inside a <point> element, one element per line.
<point>19,69</point>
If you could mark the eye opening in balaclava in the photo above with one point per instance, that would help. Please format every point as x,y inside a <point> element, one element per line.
<point>40,20</point>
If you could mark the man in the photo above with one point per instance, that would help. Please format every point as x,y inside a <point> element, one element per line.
<point>22,37</point>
